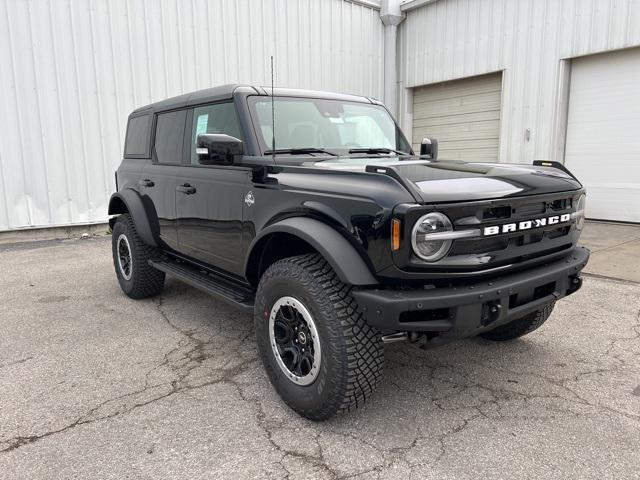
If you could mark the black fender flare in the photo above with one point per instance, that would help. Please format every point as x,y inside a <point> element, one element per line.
<point>134,205</point>
<point>326,240</point>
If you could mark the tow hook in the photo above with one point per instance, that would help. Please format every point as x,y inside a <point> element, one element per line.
<point>395,337</point>
<point>576,283</point>
<point>490,312</point>
<point>400,337</point>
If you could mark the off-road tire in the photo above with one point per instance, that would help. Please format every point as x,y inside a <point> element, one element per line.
<point>352,352</point>
<point>145,280</point>
<point>520,326</point>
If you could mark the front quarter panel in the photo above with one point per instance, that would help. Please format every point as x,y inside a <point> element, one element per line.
<point>357,205</point>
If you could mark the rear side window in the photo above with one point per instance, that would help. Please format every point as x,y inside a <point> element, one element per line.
<point>136,143</point>
<point>169,136</point>
<point>217,118</point>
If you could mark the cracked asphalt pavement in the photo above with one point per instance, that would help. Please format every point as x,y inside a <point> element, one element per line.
<point>95,385</point>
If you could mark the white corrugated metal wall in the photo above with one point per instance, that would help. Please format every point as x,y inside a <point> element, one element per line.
<point>72,70</point>
<point>603,122</point>
<point>526,39</point>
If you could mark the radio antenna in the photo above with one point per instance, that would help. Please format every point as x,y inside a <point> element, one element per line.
<point>273,116</point>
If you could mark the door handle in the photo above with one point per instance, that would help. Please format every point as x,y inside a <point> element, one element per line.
<point>146,183</point>
<point>186,189</point>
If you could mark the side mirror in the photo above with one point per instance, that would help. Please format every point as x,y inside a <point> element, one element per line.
<point>215,148</point>
<point>429,148</point>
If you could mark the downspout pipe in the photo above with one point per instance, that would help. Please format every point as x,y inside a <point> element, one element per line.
<point>391,17</point>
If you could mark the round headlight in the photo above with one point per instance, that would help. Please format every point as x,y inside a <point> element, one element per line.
<point>427,246</point>
<point>580,211</point>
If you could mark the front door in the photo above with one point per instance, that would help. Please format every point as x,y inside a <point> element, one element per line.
<point>209,198</point>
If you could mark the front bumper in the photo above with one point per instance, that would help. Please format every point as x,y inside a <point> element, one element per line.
<point>476,307</point>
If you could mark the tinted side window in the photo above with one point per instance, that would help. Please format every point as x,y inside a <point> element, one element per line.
<point>219,118</point>
<point>169,136</point>
<point>137,140</point>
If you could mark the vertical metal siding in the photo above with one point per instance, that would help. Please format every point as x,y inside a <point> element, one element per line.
<point>604,111</point>
<point>72,70</point>
<point>527,39</point>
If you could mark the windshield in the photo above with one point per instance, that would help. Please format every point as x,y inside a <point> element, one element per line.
<point>333,125</point>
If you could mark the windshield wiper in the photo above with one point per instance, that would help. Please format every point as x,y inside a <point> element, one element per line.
<point>302,151</point>
<point>377,150</point>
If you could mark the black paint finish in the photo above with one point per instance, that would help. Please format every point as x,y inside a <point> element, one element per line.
<point>201,213</point>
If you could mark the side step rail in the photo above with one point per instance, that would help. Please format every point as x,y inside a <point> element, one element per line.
<point>214,285</point>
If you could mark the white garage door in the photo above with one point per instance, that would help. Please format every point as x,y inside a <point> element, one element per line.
<point>603,133</point>
<point>463,115</point>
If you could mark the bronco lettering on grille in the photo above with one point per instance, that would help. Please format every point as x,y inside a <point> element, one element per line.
<point>526,224</point>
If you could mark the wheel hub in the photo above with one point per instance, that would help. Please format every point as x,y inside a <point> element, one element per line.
<point>294,340</point>
<point>125,260</point>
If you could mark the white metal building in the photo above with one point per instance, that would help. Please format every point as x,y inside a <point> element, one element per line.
<point>519,80</point>
<point>493,80</point>
<point>72,70</point>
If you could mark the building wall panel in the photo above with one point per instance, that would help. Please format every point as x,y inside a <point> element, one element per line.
<point>72,70</point>
<point>604,111</point>
<point>530,41</point>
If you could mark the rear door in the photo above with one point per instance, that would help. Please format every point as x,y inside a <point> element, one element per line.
<point>159,178</point>
<point>210,197</point>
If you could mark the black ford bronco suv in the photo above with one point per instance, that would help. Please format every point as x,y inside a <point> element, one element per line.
<point>311,210</point>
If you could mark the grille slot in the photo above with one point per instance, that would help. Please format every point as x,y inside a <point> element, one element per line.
<point>465,247</point>
<point>559,232</point>
<point>528,239</point>
<point>496,213</point>
<point>560,204</point>
<point>531,209</point>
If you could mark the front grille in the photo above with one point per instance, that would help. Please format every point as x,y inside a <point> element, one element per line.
<point>503,249</point>
<point>467,247</point>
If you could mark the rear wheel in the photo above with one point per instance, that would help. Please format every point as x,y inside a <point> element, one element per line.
<point>520,326</point>
<point>131,258</point>
<point>319,353</point>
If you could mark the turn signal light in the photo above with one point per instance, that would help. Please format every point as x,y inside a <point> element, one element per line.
<point>395,234</point>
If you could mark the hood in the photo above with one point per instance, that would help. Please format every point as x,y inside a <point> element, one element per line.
<point>452,181</point>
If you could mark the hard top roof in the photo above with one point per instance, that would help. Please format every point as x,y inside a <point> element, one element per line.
<point>225,92</point>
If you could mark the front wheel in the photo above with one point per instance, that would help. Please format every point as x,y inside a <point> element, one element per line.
<point>319,353</point>
<point>520,326</point>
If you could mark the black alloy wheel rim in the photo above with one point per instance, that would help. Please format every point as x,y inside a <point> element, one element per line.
<point>125,261</point>
<point>294,340</point>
